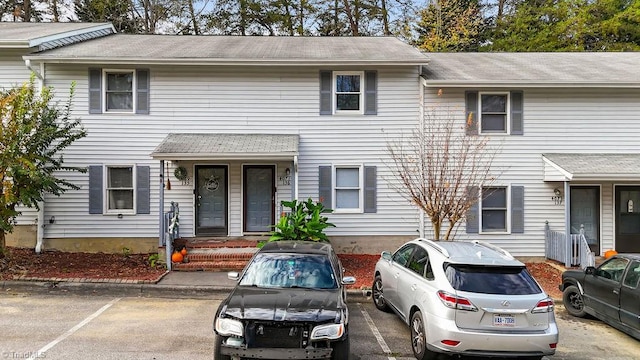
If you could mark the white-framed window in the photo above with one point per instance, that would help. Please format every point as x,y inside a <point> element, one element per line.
<point>119,93</point>
<point>494,113</point>
<point>348,92</point>
<point>348,188</point>
<point>494,209</point>
<point>120,189</point>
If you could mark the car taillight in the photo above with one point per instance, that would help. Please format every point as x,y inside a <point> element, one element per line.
<point>543,306</point>
<point>456,302</point>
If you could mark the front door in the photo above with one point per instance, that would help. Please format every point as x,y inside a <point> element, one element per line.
<point>259,197</point>
<point>627,210</point>
<point>211,200</point>
<point>585,212</point>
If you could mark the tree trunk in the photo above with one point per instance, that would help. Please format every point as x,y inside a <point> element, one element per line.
<point>3,247</point>
<point>194,20</point>
<point>385,18</point>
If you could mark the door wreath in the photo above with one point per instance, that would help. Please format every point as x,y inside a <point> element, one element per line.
<point>180,173</point>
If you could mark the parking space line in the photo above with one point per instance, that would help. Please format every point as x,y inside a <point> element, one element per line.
<point>40,353</point>
<point>376,332</point>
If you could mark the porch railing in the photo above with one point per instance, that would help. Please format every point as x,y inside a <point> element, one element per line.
<point>171,224</point>
<point>556,248</point>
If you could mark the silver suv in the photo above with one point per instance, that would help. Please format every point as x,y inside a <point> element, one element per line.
<point>465,298</point>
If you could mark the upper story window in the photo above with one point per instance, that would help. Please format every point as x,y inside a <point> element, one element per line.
<point>494,112</point>
<point>348,92</point>
<point>118,91</point>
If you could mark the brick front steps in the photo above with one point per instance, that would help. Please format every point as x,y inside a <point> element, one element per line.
<point>215,254</point>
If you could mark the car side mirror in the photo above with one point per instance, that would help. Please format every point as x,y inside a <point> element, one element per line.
<point>348,280</point>
<point>590,270</point>
<point>386,255</point>
<point>233,275</point>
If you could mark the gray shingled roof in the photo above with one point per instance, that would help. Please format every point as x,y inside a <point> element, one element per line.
<point>27,34</point>
<point>164,49</point>
<point>595,68</point>
<point>226,146</point>
<point>598,166</point>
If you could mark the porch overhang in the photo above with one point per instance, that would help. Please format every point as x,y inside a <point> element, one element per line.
<point>591,167</point>
<point>227,147</point>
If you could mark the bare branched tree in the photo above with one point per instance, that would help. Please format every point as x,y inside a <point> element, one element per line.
<point>439,167</point>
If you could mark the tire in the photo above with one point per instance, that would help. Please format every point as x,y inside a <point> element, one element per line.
<point>217,345</point>
<point>341,350</point>
<point>573,302</point>
<point>377,294</point>
<point>419,338</point>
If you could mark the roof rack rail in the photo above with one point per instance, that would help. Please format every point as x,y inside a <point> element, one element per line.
<point>437,247</point>
<point>493,247</point>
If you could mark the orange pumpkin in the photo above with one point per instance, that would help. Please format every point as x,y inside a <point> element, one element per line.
<point>609,253</point>
<point>183,251</point>
<point>177,257</point>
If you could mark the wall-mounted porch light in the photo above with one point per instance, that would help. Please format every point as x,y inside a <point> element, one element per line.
<point>557,196</point>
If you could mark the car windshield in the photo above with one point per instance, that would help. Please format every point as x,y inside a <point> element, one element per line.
<point>511,280</point>
<point>271,270</point>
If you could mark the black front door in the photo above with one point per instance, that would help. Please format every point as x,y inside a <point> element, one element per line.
<point>259,197</point>
<point>211,200</point>
<point>627,210</point>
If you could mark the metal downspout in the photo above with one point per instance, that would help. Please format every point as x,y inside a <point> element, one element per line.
<point>161,224</point>
<point>567,223</point>
<point>40,224</point>
<point>423,83</point>
<point>295,177</point>
<point>40,227</point>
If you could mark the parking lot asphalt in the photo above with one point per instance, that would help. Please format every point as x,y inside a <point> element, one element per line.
<point>174,284</point>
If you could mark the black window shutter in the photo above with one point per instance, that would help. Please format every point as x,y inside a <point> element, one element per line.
<point>95,189</point>
<point>471,100</point>
<point>370,185</point>
<point>324,187</point>
<point>143,80</point>
<point>516,113</point>
<point>143,185</point>
<point>473,222</point>
<point>95,91</point>
<point>371,92</point>
<point>326,105</point>
<point>517,209</point>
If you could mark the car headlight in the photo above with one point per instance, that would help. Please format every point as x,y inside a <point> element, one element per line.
<point>327,332</point>
<point>228,327</point>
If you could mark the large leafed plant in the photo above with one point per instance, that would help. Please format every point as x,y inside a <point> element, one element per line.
<point>304,221</point>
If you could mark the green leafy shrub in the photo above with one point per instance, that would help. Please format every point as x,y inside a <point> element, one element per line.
<point>304,221</point>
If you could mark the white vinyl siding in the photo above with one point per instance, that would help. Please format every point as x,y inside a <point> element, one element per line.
<point>229,99</point>
<point>556,121</point>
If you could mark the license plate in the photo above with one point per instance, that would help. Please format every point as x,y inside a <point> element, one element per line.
<point>504,320</point>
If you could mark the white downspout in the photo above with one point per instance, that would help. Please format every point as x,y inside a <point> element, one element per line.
<point>40,222</point>
<point>423,84</point>
<point>295,177</point>
<point>40,227</point>
<point>567,222</point>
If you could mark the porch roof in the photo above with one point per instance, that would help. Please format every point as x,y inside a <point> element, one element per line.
<point>227,147</point>
<point>591,167</point>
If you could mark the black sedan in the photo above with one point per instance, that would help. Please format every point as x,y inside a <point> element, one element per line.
<point>609,292</point>
<point>289,303</point>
